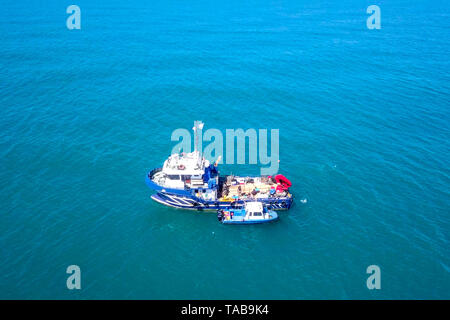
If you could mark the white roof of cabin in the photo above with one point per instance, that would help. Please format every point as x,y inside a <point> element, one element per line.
<point>254,206</point>
<point>192,163</point>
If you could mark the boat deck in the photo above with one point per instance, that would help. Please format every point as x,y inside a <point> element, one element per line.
<point>242,188</point>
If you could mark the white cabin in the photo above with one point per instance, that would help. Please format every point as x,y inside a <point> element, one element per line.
<point>183,170</point>
<point>255,211</point>
<point>185,164</point>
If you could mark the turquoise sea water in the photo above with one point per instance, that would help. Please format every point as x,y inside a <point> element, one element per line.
<point>364,137</point>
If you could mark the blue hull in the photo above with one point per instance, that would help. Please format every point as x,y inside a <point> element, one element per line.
<point>239,220</point>
<point>177,201</point>
<point>185,199</point>
<point>249,222</point>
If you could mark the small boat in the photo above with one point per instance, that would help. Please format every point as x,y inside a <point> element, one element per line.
<point>253,212</point>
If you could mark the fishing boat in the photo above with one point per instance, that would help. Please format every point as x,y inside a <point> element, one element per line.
<point>189,181</point>
<point>252,213</point>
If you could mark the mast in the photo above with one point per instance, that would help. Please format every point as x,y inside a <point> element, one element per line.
<point>198,127</point>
